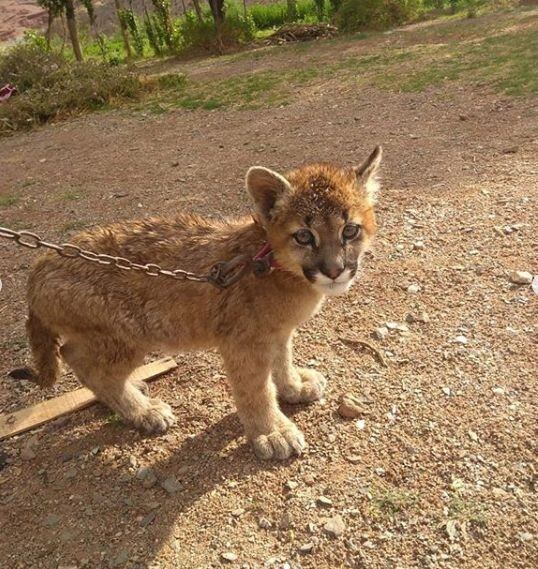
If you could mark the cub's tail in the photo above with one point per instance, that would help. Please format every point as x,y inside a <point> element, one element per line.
<point>45,347</point>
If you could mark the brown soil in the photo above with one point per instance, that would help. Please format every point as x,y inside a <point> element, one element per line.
<point>17,16</point>
<point>443,473</point>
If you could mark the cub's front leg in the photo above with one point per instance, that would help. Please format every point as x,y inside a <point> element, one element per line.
<point>295,384</point>
<point>272,434</point>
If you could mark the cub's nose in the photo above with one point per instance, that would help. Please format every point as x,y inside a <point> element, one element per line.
<point>332,271</point>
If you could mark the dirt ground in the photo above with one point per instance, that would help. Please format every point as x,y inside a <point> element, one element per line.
<point>439,470</point>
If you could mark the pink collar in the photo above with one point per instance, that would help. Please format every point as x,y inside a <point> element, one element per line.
<point>264,261</point>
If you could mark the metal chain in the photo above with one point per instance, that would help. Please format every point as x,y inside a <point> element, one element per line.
<point>220,275</point>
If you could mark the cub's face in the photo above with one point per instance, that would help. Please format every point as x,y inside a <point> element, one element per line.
<point>319,219</point>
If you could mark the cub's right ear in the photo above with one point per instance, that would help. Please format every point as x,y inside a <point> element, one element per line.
<point>266,187</point>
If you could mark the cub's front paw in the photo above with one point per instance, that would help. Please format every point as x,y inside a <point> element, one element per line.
<point>311,387</point>
<point>157,418</point>
<point>281,443</point>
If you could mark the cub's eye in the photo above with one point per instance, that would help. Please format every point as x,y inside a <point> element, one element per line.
<point>304,237</point>
<point>350,231</point>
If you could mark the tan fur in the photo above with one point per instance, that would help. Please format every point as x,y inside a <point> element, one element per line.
<point>107,320</point>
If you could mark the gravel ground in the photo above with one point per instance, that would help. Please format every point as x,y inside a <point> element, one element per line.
<point>438,466</point>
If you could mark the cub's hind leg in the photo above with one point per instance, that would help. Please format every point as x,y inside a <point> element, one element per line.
<point>104,367</point>
<point>295,384</point>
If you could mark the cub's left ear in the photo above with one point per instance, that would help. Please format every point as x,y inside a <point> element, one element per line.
<point>366,173</point>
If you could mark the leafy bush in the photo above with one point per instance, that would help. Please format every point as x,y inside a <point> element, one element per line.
<point>355,15</point>
<point>195,34</point>
<point>50,86</point>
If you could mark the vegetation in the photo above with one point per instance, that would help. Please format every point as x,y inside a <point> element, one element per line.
<point>51,84</point>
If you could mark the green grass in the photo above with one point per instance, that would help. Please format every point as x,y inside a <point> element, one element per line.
<point>70,196</point>
<point>464,509</point>
<point>389,502</point>
<point>9,200</point>
<point>72,226</point>
<point>507,62</point>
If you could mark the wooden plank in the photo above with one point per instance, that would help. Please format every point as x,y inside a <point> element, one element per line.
<point>31,417</point>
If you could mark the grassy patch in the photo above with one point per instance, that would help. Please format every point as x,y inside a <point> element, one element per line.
<point>466,510</point>
<point>70,196</point>
<point>73,226</point>
<point>11,199</point>
<point>389,502</point>
<point>507,62</point>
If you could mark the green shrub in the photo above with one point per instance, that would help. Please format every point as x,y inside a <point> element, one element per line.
<point>50,86</point>
<point>266,16</point>
<point>355,15</point>
<point>201,35</point>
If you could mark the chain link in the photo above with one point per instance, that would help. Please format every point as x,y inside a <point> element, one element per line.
<point>220,275</point>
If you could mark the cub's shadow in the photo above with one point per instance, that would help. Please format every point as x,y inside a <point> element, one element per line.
<point>200,464</point>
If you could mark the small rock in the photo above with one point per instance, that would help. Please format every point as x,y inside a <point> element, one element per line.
<point>418,245</point>
<point>27,453</point>
<point>264,523</point>
<point>498,390</point>
<point>520,277</point>
<point>147,476</point>
<point>397,326</point>
<point>525,536</point>
<point>324,502</point>
<point>354,458</point>
<point>70,473</point>
<point>51,520</point>
<point>291,484</point>
<point>350,407</point>
<point>286,521</point>
<point>335,527</point>
<point>380,471</point>
<point>171,485</point>
<point>473,436</point>
<point>228,556</point>
<point>121,559</point>
<point>463,117</point>
<point>446,391</point>
<point>423,317</point>
<point>147,519</point>
<point>414,288</point>
<point>361,424</point>
<point>132,461</point>
<point>461,340</point>
<point>381,333</point>
<point>306,548</point>
<point>238,512</point>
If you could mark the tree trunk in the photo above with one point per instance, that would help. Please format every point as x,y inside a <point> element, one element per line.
<point>123,28</point>
<point>217,9</point>
<point>292,10</point>
<point>72,27</point>
<point>197,9</point>
<point>50,19</point>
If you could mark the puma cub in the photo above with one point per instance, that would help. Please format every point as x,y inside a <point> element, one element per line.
<point>317,220</point>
